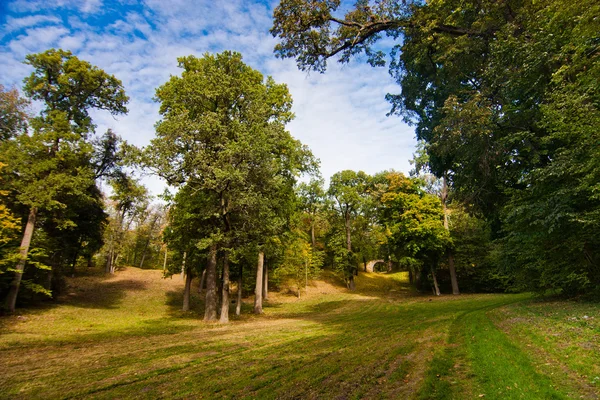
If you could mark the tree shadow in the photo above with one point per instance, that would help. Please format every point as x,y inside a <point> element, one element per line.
<point>100,294</point>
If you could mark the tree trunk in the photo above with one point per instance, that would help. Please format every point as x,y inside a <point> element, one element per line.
<point>210,308</point>
<point>259,280</point>
<point>238,306</point>
<point>108,266</point>
<point>75,260</point>
<point>186,292</point>
<point>305,276</point>
<point>225,292</point>
<point>202,281</point>
<point>265,288</point>
<point>452,270</point>
<point>115,263</point>
<point>449,252</point>
<point>436,288</point>
<point>13,290</point>
<point>165,262</point>
<point>49,278</point>
<point>143,258</point>
<point>183,264</point>
<point>219,287</point>
<point>351,283</point>
<point>348,238</point>
<point>312,233</point>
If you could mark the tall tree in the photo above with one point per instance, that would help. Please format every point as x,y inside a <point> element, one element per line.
<point>222,134</point>
<point>422,170</point>
<point>55,158</point>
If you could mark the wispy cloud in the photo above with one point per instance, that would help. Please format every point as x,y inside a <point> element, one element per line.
<point>31,6</point>
<point>340,115</point>
<point>14,24</point>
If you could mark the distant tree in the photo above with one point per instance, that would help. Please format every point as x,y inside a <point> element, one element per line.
<point>300,262</point>
<point>413,219</point>
<point>312,199</point>
<point>14,114</point>
<point>441,188</point>
<point>348,190</point>
<point>128,201</point>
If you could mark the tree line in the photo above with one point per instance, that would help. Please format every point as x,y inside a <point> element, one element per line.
<point>504,99</point>
<point>503,195</point>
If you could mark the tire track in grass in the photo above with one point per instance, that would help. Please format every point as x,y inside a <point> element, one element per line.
<point>486,363</point>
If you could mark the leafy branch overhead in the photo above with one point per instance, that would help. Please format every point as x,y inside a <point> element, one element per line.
<point>314,31</point>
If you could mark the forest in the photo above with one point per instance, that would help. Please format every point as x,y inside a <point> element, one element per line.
<point>495,226</point>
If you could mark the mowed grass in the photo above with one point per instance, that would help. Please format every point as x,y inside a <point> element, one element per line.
<point>123,336</point>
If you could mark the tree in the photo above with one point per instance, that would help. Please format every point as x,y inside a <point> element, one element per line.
<point>13,113</point>
<point>222,135</point>
<point>497,90</point>
<point>413,219</point>
<point>312,201</point>
<point>128,201</point>
<point>55,159</point>
<point>348,189</point>
<point>422,170</point>
<point>300,262</point>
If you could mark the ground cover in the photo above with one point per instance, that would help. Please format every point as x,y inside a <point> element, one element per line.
<point>124,337</point>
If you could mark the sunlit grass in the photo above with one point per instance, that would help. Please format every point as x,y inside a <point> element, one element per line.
<point>124,336</point>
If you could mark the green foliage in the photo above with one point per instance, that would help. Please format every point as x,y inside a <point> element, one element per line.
<point>13,113</point>
<point>52,171</point>
<point>70,87</point>
<point>474,254</point>
<point>222,142</point>
<point>505,97</point>
<point>299,262</point>
<point>413,220</point>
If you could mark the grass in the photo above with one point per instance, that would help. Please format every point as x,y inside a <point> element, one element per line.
<point>124,337</point>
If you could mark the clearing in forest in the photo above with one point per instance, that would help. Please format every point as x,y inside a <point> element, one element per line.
<point>123,336</point>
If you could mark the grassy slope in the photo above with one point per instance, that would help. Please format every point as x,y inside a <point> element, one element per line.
<point>123,336</point>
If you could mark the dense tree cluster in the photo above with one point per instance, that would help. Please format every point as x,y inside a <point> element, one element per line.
<point>503,195</point>
<point>504,96</point>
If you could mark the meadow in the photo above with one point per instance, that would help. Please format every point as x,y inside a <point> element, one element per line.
<point>124,336</point>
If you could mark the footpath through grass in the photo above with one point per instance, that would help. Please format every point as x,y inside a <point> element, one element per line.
<point>124,337</point>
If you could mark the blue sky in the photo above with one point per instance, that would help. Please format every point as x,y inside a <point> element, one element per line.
<point>340,115</point>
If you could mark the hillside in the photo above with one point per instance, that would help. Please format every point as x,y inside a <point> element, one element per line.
<point>123,336</point>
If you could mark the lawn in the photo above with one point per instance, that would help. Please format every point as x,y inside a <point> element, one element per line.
<point>124,337</point>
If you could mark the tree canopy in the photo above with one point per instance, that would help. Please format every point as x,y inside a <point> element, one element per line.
<point>502,95</point>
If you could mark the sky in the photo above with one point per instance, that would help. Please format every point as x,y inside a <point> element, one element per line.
<point>340,115</point>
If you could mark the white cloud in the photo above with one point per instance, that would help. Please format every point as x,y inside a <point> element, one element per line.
<point>72,43</point>
<point>340,115</point>
<point>36,38</point>
<point>14,24</point>
<point>84,6</point>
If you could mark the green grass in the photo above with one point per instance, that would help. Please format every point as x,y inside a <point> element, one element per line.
<point>124,337</point>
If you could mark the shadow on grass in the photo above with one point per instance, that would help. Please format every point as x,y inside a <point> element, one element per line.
<point>101,294</point>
